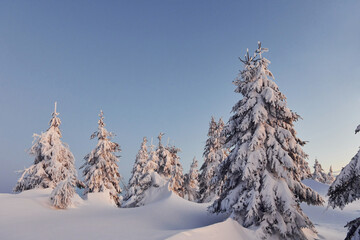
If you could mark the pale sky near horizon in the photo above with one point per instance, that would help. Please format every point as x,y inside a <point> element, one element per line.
<point>168,66</point>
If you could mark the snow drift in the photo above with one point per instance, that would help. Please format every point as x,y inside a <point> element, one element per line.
<point>29,215</point>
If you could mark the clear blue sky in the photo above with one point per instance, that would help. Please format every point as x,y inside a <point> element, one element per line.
<point>168,66</point>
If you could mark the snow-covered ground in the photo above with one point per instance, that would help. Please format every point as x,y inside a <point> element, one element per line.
<point>28,215</point>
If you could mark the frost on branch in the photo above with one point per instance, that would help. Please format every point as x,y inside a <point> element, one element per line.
<point>53,160</point>
<point>266,163</point>
<point>100,168</point>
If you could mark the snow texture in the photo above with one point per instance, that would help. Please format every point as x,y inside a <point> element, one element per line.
<point>165,216</point>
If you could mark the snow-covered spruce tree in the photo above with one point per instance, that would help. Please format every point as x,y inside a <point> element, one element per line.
<point>169,166</point>
<point>165,163</point>
<point>61,196</point>
<point>145,180</point>
<point>345,189</point>
<point>152,164</point>
<point>53,160</point>
<point>191,184</point>
<point>319,174</point>
<point>177,176</point>
<point>263,177</point>
<point>135,187</point>
<point>101,172</point>
<point>330,176</point>
<point>214,154</point>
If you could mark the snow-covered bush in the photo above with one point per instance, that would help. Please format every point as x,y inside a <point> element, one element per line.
<point>61,196</point>
<point>101,171</point>
<point>191,184</point>
<point>264,169</point>
<point>346,189</point>
<point>53,160</point>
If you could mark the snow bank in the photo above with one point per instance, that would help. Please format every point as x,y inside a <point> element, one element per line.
<point>329,222</point>
<point>227,230</point>
<point>29,215</point>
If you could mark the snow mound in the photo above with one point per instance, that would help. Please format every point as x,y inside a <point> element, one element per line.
<point>158,191</point>
<point>227,230</point>
<point>100,199</point>
<point>29,215</point>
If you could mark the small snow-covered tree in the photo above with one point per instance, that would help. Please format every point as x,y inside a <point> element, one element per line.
<point>146,180</point>
<point>319,174</point>
<point>152,164</point>
<point>134,187</point>
<point>177,177</point>
<point>53,160</point>
<point>164,155</point>
<point>61,196</point>
<point>101,171</point>
<point>263,185</point>
<point>214,154</point>
<point>330,176</point>
<point>346,189</point>
<point>191,184</point>
<point>170,167</point>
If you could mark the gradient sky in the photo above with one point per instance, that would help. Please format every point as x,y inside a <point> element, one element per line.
<point>168,66</point>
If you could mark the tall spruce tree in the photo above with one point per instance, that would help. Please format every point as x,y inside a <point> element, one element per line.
<point>263,171</point>
<point>53,161</point>
<point>214,154</point>
<point>101,172</point>
<point>319,174</point>
<point>191,184</point>
<point>345,189</point>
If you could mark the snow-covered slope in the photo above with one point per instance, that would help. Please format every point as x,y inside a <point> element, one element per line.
<point>329,222</point>
<point>29,216</point>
